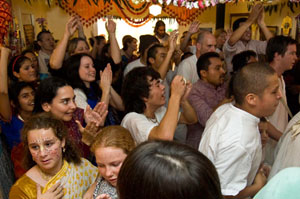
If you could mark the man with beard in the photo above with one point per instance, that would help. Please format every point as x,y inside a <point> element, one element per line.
<point>206,94</point>
<point>240,39</point>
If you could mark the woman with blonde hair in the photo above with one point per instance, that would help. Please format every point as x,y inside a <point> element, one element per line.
<point>111,147</point>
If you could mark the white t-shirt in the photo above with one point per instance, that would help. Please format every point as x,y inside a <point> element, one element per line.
<point>188,69</point>
<point>80,99</point>
<point>231,140</point>
<point>132,65</point>
<point>140,126</point>
<point>44,59</point>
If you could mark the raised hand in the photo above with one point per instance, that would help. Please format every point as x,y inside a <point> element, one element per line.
<point>110,26</point>
<point>187,91</point>
<point>178,86</point>
<point>260,178</point>
<point>106,78</point>
<point>255,12</point>
<point>97,115</point>
<point>173,40</point>
<point>101,110</point>
<point>71,26</point>
<point>55,192</point>
<point>194,27</point>
<point>89,132</point>
<point>261,18</point>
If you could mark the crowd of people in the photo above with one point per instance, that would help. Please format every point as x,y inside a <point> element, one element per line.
<point>203,118</point>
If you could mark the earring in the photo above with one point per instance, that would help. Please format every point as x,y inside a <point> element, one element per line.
<point>64,149</point>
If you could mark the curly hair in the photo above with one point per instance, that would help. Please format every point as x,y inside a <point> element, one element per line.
<point>114,136</point>
<point>136,87</point>
<point>46,91</point>
<point>46,121</point>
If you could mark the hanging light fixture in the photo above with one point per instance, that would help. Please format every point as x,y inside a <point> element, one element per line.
<point>155,9</point>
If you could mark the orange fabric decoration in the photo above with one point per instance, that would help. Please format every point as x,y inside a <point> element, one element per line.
<point>87,13</point>
<point>5,19</point>
<point>135,15</point>
<point>183,15</point>
<point>137,10</point>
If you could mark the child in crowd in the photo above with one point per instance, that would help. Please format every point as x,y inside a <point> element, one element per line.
<point>55,167</point>
<point>110,147</point>
<point>231,139</point>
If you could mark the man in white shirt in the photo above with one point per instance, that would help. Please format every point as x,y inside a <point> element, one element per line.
<point>46,42</point>
<point>231,139</point>
<point>240,40</point>
<point>206,42</point>
<point>281,55</point>
<point>143,96</point>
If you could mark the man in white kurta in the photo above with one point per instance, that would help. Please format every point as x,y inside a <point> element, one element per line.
<point>281,55</point>
<point>231,140</point>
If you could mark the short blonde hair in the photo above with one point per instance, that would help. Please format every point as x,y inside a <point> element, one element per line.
<point>114,136</point>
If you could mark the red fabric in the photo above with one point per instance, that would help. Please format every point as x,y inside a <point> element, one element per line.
<point>17,155</point>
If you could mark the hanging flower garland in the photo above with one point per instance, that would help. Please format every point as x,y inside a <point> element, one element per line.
<point>134,22</point>
<point>135,9</point>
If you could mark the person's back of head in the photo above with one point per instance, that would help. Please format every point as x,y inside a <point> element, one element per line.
<point>242,59</point>
<point>279,45</point>
<point>164,170</point>
<point>98,38</point>
<point>152,51</point>
<point>145,42</point>
<point>136,87</point>
<point>236,23</point>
